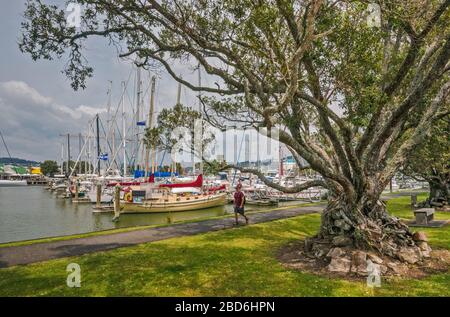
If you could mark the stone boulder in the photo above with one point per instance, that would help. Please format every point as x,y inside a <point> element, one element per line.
<point>342,241</point>
<point>383,269</point>
<point>420,236</point>
<point>424,248</point>
<point>394,267</point>
<point>359,263</point>
<point>335,253</point>
<point>410,255</point>
<point>375,258</point>
<point>339,265</point>
<point>320,249</point>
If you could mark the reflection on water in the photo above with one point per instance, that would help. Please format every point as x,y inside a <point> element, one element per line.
<point>33,212</point>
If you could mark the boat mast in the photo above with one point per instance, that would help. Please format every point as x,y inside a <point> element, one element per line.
<point>110,126</point>
<point>68,155</point>
<point>201,119</point>
<point>281,162</point>
<point>124,132</point>
<point>153,147</point>
<point>137,117</point>
<point>150,123</point>
<point>98,144</point>
<point>62,158</point>
<point>79,151</point>
<point>88,154</point>
<point>178,102</point>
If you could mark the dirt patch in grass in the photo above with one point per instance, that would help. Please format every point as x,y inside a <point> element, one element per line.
<point>293,256</point>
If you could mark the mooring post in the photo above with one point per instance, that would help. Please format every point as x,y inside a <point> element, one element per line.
<point>99,195</point>
<point>76,191</point>
<point>116,202</point>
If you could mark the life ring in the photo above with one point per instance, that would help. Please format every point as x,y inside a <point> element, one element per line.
<point>128,197</point>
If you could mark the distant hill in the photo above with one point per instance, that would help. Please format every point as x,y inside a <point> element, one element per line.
<point>17,161</point>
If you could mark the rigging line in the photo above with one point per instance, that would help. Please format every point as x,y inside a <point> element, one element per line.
<point>6,147</point>
<point>7,150</point>
<point>239,155</point>
<point>104,132</point>
<point>122,94</point>
<point>120,137</point>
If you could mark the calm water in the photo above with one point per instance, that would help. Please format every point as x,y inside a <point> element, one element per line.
<point>32,212</point>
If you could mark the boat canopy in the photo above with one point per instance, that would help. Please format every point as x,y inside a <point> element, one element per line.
<point>139,174</point>
<point>197,183</point>
<point>216,188</point>
<point>179,190</point>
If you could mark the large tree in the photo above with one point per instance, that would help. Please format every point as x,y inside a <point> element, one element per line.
<point>350,98</point>
<point>431,163</point>
<point>49,168</point>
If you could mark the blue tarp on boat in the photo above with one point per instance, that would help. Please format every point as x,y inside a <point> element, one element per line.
<point>138,174</point>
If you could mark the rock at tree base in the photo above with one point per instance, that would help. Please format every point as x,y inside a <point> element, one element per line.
<point>383,269</point>
<point>339,265</point>
<point>335,253</point>
<point>425,248</point>
<point>374,258</point>
<point>420,236</point>
<point>410,255</point>
<point>342,241</point>
<point>394,267</point>
<point>320,249</point>
<point>359,263</point>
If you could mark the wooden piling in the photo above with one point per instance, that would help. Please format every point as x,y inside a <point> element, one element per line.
<point>116,202</point>
<point>76,192</point>
<point>99,195</point>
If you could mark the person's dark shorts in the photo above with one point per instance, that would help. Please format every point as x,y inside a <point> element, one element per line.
<point>239,210</point>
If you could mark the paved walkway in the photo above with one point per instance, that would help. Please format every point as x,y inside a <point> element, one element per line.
<point>19,255</point>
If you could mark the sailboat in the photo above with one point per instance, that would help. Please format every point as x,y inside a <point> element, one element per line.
<point>12,183</point>
<point>174,197</point>
<point>149,197</point>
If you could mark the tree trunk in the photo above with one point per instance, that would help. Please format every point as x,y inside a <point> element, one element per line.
<point>439,193</point>
<point>365,224</point>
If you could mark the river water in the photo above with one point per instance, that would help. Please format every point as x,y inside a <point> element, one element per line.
<point>32,212</point>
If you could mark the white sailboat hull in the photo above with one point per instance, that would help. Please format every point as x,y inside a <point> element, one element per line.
<point>11,183</point>
<point>105,198</point>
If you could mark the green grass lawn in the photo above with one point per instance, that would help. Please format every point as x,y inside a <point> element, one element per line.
<point>235,262</point>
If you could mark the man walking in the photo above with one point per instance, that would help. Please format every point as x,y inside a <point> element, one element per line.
<point>239,201</point>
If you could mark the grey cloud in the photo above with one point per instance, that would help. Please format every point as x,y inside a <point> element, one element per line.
<point>32,122</point>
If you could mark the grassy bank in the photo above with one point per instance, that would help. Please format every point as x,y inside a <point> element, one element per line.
<point>236,262</point>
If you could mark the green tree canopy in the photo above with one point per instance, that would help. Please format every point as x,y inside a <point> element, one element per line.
<point>49,168</point>
<point>430,162</point>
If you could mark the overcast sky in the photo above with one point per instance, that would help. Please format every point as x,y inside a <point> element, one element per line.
<point>37,103</point>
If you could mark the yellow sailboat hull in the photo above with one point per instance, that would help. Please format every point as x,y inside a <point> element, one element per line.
<point>174,205</point>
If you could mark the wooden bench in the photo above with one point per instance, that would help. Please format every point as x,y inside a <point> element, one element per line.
<point>424,215</point>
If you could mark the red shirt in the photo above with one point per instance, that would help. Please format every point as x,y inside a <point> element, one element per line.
<point>238,197</point>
